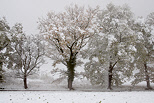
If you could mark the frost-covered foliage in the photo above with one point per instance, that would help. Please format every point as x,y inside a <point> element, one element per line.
<point>150,19</point>
<point>4,44</point>
<point>117,45</point>
<point>144,58</point>
<point>111,50</point>
<point>4,25</point>
<point>67,33</point>
<point>27,55</point>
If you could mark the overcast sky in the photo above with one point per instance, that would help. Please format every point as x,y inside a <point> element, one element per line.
<point>27,12</point>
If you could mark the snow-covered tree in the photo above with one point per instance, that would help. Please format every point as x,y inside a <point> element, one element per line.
<point>4,43</point>
<point>67,33</point>
<point>144,58</point>
<point>150,19</point>
<point>27,55</point>
<point>111,50</point>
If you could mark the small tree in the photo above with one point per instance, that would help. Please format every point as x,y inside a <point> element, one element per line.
<point>28,53</point>
<point>67,33</point>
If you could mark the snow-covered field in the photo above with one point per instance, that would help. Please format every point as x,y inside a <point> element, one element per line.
<point>75,97</point>
<point>43,90</point>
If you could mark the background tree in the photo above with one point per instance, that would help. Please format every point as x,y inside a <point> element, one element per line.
<point>111,51</point>
<point>144,58</point>
<point>150,19</point>
<point>67,33</point>
<point>28,53</point>
<point>4,44</point>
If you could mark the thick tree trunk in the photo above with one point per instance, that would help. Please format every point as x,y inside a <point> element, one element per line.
<point>147,77</point>
<point>70,66</point>
<point>110,76</point>
<point>70,82</point>
<point>70,76</point>
<point>25,82</point>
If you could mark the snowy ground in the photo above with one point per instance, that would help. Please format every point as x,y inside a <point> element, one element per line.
<point>75,97</point>
<point>43,90</point>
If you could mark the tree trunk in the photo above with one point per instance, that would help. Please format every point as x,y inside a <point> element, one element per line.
<point>70,82</point>
<point>147,77</point>
<point>1,74</point>
<point>70,76</point>
<point>110,76</point>
<point>25,82</point>
<point>70,66</point>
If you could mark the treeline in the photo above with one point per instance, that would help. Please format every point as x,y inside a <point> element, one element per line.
<point>113,41</point>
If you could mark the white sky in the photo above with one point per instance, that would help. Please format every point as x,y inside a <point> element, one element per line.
<point>27,12</point>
